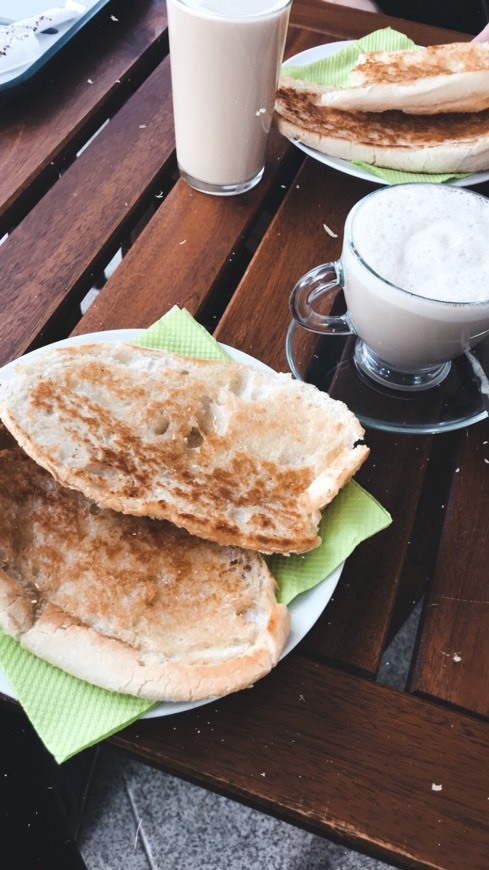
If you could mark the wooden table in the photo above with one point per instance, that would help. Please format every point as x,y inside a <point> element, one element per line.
<point>402,775</point>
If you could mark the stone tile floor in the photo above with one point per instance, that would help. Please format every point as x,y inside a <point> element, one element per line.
<point>138,818</point>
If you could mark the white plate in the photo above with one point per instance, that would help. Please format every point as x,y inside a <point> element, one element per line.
<point>311,55</point>
<point>304,610</point>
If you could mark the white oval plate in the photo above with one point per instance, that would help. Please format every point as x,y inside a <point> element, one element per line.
<point>304,610</point>
<point>311,55</point>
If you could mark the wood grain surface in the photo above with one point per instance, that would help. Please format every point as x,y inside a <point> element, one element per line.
<point>51,259</point>
<point>453,657</point>
<point>42,128</point>
<point>398,774</point>
<point>340,22</point>
<point>340,756</point>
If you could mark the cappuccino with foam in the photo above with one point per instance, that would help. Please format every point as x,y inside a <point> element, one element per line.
<point>415,272</point>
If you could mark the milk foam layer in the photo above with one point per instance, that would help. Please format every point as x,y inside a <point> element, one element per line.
<point>428,239</point>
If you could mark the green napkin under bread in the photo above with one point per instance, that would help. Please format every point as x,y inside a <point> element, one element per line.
<point>334,71</point>
<point>69,714</point>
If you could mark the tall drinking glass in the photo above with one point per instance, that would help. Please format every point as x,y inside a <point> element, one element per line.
<point>225,61</point>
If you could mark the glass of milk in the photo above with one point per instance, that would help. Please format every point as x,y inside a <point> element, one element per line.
<point>414,269</point>
<point>225,60</point>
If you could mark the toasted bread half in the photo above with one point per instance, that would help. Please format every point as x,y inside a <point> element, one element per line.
<point>127,603</point>
<point>427,81</point>
<point>231,453</point>
<point>441,143</point>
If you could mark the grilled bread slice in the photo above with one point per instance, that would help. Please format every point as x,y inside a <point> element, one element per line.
<point>427,81</point>
<point>445,143</point>
<point>233,454</point>
<point>130,604</point>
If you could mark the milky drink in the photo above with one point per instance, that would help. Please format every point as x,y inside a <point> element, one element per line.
<point>432,241</point>
<point>225,62</point>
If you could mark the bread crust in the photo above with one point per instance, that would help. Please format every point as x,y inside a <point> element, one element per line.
<point>435,80</point>
<point>438,144</point>
<point>230,453</point>
<point>130,604</point>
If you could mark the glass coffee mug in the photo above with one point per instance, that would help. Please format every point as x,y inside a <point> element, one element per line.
<point>414,269</point>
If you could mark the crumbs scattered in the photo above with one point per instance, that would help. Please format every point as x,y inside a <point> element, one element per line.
<point>330,232</point>
<point>435,787</point>
<point>89,82</point>
<point>113,18</point>
<point>455,657</point>
<point>183,242</point>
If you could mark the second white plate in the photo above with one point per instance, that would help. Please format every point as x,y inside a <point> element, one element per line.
<point>311,55</point>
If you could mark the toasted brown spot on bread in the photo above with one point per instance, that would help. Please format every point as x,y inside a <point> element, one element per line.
<point>129,603</point>
<point>232,456</point>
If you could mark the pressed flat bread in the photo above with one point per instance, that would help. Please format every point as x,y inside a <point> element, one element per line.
<point>231,453</point>
<point>457,142</point>
<point>423,110</point>
<point>130,604</point>
<point>433,80</point>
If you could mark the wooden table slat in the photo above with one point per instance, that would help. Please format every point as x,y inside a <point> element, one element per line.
<point>165,266</point>
<point>58,247</point>
<point>336,754</point>
<point>339,21</point>
<point>453,657</point>
<point>56,115</point>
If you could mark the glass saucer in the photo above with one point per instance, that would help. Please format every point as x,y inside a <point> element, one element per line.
<point>326,361</point>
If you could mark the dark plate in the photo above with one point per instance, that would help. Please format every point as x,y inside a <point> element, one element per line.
<point>54,45</point>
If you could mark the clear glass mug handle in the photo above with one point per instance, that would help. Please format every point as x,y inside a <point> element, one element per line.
<point>314,285</point>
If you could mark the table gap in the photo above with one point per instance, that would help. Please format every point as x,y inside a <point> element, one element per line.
<point>448,705</point>
<point>425,539</point>
<point>156,199</point>
<point>396,663</point>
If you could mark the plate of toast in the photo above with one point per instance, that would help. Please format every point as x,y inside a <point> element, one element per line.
<point>423,112</point>
<point>137,503</point>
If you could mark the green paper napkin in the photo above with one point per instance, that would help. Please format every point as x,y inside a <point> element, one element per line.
<point>335,72</point>
<point>69,714</point>
<point>351,518</point>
